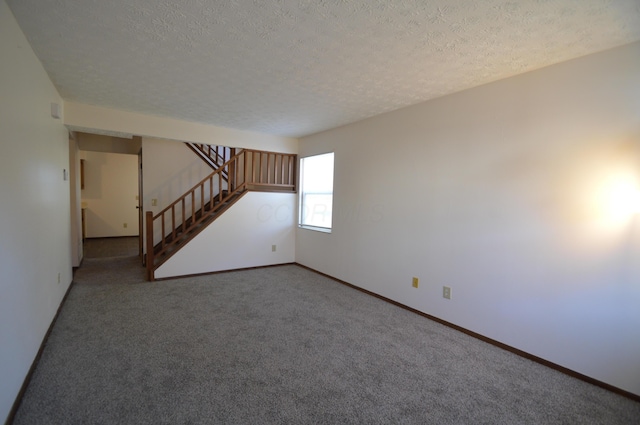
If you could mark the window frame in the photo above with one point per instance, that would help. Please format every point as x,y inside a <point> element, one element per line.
<point>302,195</point>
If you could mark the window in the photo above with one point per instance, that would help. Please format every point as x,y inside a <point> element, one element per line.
<point>316,192</point>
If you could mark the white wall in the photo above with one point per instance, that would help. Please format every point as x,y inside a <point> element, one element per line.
<point>89,118</point>
<point>169,169</point>
<point>241,237</point>
<point>101,143</point>
<point>34,213</point>
<point>109,194</point>
<point>512,194</point>
<point>76,202</point>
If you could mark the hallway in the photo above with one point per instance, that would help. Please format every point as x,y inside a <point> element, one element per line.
<point>110,247</point>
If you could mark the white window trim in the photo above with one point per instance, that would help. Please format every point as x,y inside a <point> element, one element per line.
<point>301,195</point>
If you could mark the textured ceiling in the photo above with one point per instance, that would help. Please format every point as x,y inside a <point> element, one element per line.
<point>296,67</point>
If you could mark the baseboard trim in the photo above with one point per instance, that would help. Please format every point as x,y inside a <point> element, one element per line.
<point>34,364</point>
<point>111,237</point>
<point>222,271</point>
<point>540,360</point>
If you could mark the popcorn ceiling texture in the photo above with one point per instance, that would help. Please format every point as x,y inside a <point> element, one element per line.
<point>294,67</point>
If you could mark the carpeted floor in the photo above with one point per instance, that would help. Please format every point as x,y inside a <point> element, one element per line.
<point>281,345</point>
<point>110,247</point>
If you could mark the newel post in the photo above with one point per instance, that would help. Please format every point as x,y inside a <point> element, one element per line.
<point>232,170</point>
<point>149,254</point>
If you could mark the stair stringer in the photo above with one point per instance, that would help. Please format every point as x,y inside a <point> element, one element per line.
<point>241,237</point>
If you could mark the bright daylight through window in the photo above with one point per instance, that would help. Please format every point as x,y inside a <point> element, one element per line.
<point>316,192</point>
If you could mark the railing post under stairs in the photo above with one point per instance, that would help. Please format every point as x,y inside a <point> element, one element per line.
<point>232,171</point>
<point>149,255</point>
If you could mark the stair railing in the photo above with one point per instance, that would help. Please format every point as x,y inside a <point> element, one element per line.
<point>270,171</point>
<point>215,156</point>
<point>181,220</point>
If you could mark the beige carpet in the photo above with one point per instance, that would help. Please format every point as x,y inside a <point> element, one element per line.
<point>281,345</point>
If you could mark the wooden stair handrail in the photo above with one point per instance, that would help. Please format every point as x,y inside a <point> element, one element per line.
<point>211,154</point>
<point>249,169</point>
<point>197,185</point>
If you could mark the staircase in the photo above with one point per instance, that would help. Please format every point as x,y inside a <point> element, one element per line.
<point>245,170</point>
<point>215,156</point>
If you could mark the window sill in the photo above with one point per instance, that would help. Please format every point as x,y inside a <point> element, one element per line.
<point>314,228</point>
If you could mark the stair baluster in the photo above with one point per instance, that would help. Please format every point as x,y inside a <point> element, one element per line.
<point>243,171</point>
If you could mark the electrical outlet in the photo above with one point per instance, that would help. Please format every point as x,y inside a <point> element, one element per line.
<point>124,225</point>
<point>446,292</point>
<point>414,282</point>
<point>273,248</point>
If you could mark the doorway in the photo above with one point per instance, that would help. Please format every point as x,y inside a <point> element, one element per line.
<point>111,194</point>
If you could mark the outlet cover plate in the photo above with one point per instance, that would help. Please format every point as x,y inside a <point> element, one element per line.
<point>446,292</point>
